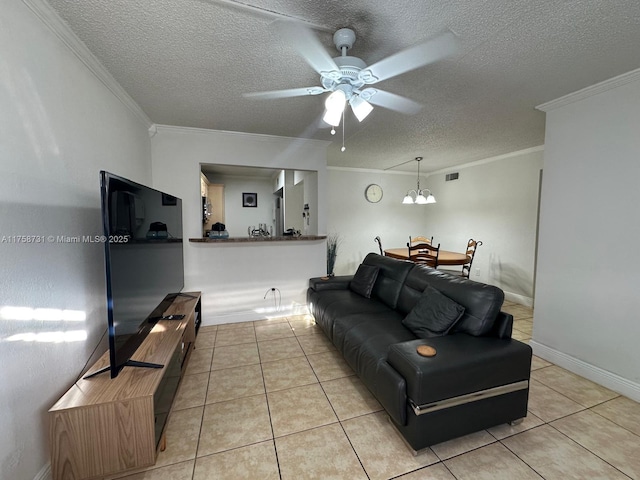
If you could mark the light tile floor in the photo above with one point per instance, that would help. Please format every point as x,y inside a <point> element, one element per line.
<point>274,400</point>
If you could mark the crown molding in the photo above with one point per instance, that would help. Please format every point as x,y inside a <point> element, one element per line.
<point>590,91</point>
<point>60,29</point>
<point>369,170</point>
<point>206,131</point>
<point>517,153</point>
<point>454,168</point>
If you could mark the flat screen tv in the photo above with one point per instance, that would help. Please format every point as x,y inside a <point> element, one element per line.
<point>144,263</point>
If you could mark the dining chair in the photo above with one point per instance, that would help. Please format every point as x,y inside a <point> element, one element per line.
<point>424,253</point>
<point>472,246</point>
<point>379,242</point>
<point>420,239</point>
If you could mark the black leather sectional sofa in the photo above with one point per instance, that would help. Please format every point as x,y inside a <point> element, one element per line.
<point>479,376</point>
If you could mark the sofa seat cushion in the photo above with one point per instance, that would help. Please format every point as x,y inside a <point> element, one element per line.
<point>329,305</point>
<point>463,364</point>
<point>367,343</point>
<point>345,323</point>
<point>433,315</point>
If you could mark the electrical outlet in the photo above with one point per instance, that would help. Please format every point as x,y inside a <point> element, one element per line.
<point>477,272</point>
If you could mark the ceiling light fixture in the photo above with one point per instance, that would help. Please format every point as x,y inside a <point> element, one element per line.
<point>361,108</point>
<point>336,103</point>
<point>420,198</point>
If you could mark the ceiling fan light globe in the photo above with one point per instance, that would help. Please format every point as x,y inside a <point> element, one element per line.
<point>336,102</point>
<point>361,108</point>
<point>332,118</point>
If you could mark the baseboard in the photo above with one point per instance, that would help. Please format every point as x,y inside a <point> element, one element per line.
<point>44,474</point>
<point>595,374</point>
<point>520,299</point>
<point>254,315</point>
<point>231,317</point>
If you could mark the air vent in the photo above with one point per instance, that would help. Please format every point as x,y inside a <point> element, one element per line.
<point>451,176</point>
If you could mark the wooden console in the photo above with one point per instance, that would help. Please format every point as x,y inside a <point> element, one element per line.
<point>103,426</point>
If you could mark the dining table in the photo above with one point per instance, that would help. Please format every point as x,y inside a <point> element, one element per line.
<point>445,257</point>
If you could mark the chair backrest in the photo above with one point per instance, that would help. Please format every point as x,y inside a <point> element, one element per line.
<point>413,240</point>
<point>379,242</point>
<point>472,246</point>
<point>424,253</point>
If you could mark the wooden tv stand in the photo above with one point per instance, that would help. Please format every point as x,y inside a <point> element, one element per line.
<point>104,426</point>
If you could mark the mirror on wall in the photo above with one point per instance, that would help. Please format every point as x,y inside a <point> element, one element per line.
<point>256,201</point>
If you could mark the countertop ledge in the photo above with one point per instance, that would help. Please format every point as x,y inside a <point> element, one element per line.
<point>288,238</point>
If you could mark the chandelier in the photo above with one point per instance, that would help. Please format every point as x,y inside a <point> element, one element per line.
<point>417,196</point>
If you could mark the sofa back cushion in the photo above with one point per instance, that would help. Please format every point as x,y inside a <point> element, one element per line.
<point>481,302</point>
<point>364,280</point>
<point>391,277</point>
<point>433,315</point>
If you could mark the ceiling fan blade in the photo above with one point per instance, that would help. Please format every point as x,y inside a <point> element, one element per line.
<point>289,92</point>
<point>390,101</point>
<point>308,45</point>
<point>411,58</point>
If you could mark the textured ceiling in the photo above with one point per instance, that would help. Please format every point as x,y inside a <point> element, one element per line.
<point>188,62</point>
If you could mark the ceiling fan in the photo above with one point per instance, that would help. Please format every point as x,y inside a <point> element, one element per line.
<point>348,77</point>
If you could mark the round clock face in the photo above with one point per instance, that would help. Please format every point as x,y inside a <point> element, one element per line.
<point>373,193</point>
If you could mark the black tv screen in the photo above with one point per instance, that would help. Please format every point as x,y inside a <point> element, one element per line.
<point>143,262</point>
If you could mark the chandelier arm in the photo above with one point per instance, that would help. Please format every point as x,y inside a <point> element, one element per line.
<point>418,195</point>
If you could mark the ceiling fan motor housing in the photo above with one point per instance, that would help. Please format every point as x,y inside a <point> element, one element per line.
<point>350,68</point>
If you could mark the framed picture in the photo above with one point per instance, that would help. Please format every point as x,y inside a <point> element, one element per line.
<point>169,200</point>
<point>249,199</point>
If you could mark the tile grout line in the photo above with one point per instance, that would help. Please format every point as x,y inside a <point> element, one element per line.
<point>204,407</point>
<point>613,421</point>
<point>587,449</point>
<point>334,411</point>
<point>266,396</point>
<point>500,441</point>
<point>518,456</point>
<point>584,407</point>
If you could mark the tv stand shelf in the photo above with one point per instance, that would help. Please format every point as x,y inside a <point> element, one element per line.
<point>103,426</point>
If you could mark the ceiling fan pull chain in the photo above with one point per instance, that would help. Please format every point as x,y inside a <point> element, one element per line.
<point>343,147</point>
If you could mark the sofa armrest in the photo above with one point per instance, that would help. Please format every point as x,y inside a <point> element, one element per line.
<point>463,364</point>
<point>332,283</point>
<point>503,326</point>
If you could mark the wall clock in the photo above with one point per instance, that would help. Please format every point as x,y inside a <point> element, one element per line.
<point>373,193</point>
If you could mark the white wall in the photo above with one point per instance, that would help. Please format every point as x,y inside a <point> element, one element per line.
<point>586,316</point>
<point>494,200</point>
<point>310,181</point>
<point>233,278</point>
<point>59,126</point>
<point>357,222</point>
<point>237,218</point>
<point>293,203</point>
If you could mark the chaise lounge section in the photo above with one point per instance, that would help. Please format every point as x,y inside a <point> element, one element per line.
<point>479,376</point>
